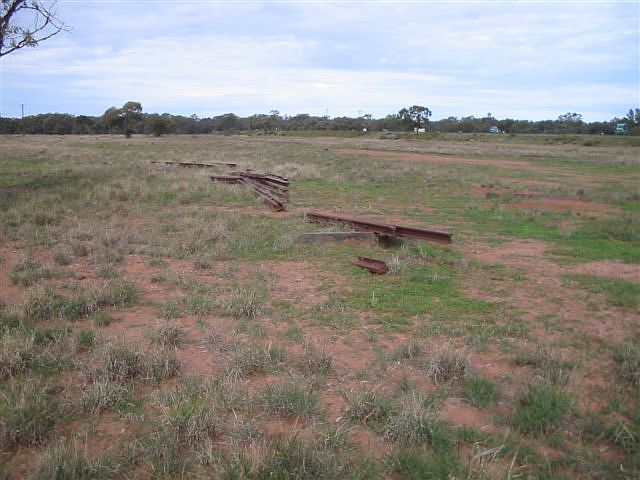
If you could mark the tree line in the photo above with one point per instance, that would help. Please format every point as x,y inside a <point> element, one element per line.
<point>130,119</point>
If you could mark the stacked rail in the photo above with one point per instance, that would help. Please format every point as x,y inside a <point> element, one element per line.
<point>270,188</point>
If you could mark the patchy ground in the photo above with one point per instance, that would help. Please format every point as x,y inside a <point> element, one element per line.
<point>173,326</point>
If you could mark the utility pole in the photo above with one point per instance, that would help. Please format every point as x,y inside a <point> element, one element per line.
<point>22,118</point>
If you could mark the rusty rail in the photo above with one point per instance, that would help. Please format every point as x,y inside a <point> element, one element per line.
<point>272,189</point>
<point>374,266</point>
<point>197,164</point>
<point>382,228</point>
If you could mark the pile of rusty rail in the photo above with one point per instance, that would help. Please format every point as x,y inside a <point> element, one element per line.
<point>272,189</point>
<point>196,164</point>
<point>381,229</point>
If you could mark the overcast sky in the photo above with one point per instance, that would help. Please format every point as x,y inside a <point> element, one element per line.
<point>533,60</point>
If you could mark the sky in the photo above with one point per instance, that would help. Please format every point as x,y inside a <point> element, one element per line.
<point>514,59</point>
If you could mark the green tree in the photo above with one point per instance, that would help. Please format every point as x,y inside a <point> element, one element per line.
<point>130,113</point>
<point>417,116</point>
<point>25,23</point>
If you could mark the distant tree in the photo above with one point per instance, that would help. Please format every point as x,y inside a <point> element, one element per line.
<point>417,116</point>
<point>570,117</point>
<point>130,112</point>
<point>111,119</point>
<point>159,126</point>
<point>26,23</point>
<point>633,117</point>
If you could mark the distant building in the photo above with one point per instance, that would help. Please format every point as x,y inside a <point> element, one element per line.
<point>419,130</point>
<point>621,129</point>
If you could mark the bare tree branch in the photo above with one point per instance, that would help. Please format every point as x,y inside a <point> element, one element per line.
<point>26,23</point>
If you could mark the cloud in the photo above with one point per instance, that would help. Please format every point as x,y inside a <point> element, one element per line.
<point>526,60</point>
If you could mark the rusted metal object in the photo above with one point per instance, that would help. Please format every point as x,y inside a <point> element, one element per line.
<point>382,228</point>
<point>197,164</point>
<point>225,179</point>
<point>272,189</point>
<point>374,266</point>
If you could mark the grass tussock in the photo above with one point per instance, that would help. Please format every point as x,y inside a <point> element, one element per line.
<point>448,365</point>
<point>289,398</point>
<point>627,358</point>
<point>369,407</point>
<point>28,413</point>
<point>168,336</point>
<point>246,302</point>
<point>543,409</point>
<point>315,362</point>
<point>253,358</point>
<point>68,461</point>
<point>415,422</point>
<point>28,271</point>
<point>547,363</point>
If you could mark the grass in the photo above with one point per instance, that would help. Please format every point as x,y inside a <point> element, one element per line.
<point>547,363</point>
<point>28,414</point>
<point>617,292</point>
<point>98,236</point>
<point>543,409</point>
<point>416,422</point>
<point>480,391</point>
<point>627,358</point>
<point>369,407</point>
<point>69,461</point>
<point>289,398</point>
<point>448,365</point>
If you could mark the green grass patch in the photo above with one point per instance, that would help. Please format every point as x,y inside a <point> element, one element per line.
<point>619,293</point>
<point>543,409</point>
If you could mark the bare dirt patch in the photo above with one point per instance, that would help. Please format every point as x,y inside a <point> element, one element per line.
<point>552,309</point>
<point>575,207</point>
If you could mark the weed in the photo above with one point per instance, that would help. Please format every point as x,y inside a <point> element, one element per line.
<point>448,366</point>
<point>289,398</point>
<point>246,303</point>
<point>480,391</point>
<point>551,367</point>
<point>116,293</point>
<point>28,413</point>
<point>543,409</point>
<point>171,309</point>
<point>191,420</point>
<point>408,351</point>
<point>17,353</point>
<point>369,407</point>
<point>425,463</point>
<point>252,358</point>
<point>66,461</point>
<point>103,394</point>
<point>315,362</point>
<point>28,271</point>
<point>416,422</point>
<point>85,339</point>
<point>62,258</point>
<point>627,358</point>
<point>167,336</point>
<point>102,319</point>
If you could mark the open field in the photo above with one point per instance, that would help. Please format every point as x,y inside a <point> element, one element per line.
<point>156,325</point>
